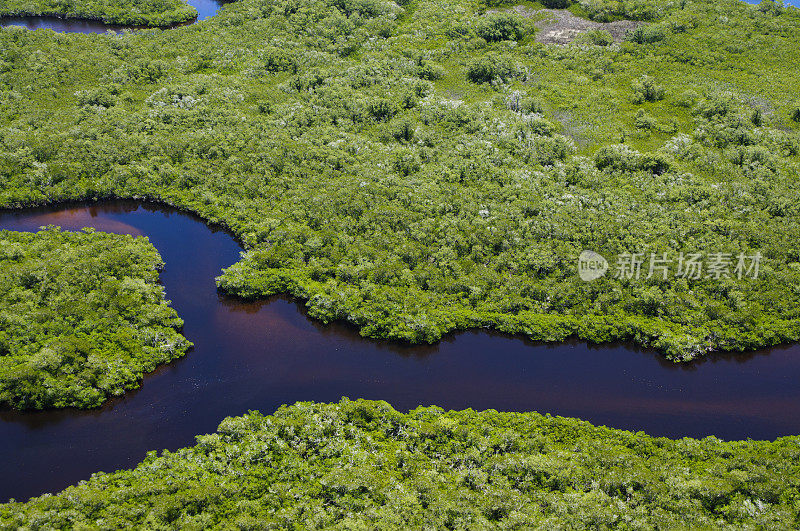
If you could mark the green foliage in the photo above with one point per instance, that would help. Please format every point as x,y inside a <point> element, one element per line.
<point>278,60</point>
<point>430,71</point>
<point>126,12</point>
<point>397,171</point>
<point>82,317</point>
<point>596,37</point>
<point>644,120</point>
<point>646,89</point>
<point>610,10</point>
<point>771,7</point>
<point>363,465</point>
<point>648,34</point>
<point>500,27</point>
<point>99,96</point>
<point>622,158</point>
<point>556,4</point>
<point>490,67</point>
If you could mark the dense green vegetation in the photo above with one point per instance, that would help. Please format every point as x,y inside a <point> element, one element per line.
<point>419,168</point>
<point>363,465</point>
<point>82,317</point>
<point>125,12</point>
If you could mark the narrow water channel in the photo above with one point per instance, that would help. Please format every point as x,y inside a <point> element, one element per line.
<point>259,355</point>
<point>205,9</point>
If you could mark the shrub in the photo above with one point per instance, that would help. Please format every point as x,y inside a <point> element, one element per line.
<point>100,97</point>
<point>539,126</point>
<point>368,8</point>
<point>382,27</point>
<point>547,150</point>
<point>654,163</point>
<point>646,89</point>
<point>716,106</point>
<point>771,7</point>
<point>644,120</point>
<point>405,162</point>
<point>531,105</point>
<point>519,103</point>
<point>514,101</point>
<point>609,10</point>
<point>488,68</point>
<point>402,130</point>
<point>429,71</point>
<point>596,37</point>
<point>500,27</point>
<point>617,157</point>
<point>782,143</point>
<point>796,114</point>
<point>687,99</point>
<point>624,159</point>
<point>277,60</point>
<point>382,109</point>
<point>557,4</point>
<point>648,34</point>
<point>757,117</point>
<point>753,156</point>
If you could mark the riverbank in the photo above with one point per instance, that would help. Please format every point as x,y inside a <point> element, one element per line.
<point>203,9</point>
<point>82,317</point>
<point>362,464</point>
<point>146,13</point>
<point>260,355</point>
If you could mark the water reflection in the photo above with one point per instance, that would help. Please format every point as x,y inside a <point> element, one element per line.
<point>260,355</point>
<point>205,9</point>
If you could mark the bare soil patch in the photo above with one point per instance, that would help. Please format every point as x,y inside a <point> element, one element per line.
<point>559,26</point>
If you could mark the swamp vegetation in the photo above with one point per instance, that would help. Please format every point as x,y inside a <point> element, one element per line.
<point>414,168</point>
<point>82,317</point>
<point>423,168</point>
<point>363,465</point>
<point>125,12</point>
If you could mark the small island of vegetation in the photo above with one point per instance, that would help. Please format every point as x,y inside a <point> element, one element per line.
<point>160,13</point>
<point>82,317</point>
<point>411,168</point>
<point>422,168</point>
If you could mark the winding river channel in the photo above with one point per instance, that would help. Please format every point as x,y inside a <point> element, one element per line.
<point>259,355</point>
<point>205,9</point>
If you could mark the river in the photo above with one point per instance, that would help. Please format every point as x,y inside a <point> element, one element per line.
<point>205,9</point>
<point>259,355</point>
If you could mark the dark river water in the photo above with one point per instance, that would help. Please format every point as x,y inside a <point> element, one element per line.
<point>205,9</point>
<point>259,355</point>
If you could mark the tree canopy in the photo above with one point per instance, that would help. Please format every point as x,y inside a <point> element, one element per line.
<point>363,465</point>
<point>124,12</point>
<point>419,168</point>
<point>82,317</point>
